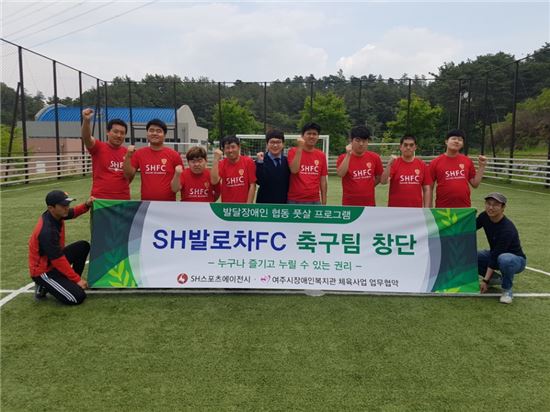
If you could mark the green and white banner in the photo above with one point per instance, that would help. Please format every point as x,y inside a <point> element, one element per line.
<point>219,245</point>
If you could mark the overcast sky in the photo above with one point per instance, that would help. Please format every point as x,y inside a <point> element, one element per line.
<point>264,41</point>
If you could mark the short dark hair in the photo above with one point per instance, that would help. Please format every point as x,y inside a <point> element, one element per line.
<point>456,132</point>
<point>228,140</point>
<point>120,122</point>
<point>274,134</point>
<point>196,152</point>
<point>157,122</point>
<point>311,126</point>
<point>362,132</point>
<point>407,137</point>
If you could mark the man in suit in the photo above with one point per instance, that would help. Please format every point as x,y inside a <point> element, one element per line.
<point>272,172</point>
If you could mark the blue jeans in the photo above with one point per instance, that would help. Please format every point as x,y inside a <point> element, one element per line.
<point>508,264</point>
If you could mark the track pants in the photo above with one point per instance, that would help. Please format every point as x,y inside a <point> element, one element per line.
<point>64,289</point>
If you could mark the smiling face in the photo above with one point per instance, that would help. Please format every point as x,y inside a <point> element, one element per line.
<point>115,136</point>
<point>310,137</point>
<point>454,144</point>
<point>232,151</point>
<point>155,135</point>
<point>494,209</point>
<point>275,146</point>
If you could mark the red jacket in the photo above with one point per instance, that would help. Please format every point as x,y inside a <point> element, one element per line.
<point>47,242</point>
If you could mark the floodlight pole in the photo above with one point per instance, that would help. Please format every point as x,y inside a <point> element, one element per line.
<point>81,120</point>
<point>132,136</point>
<point>98,111</point>
<point>459,103</point>
<point>106,104</point>
<point>311,101</point>
<point>409,108</point>
<point>265,107</point>
<point>23,112</point>
<point>359,117</point>
<point>56,116</point>
<point>468,114</point>
<point>485,111</point>
<point>175,101</point>
<point>220,114</point>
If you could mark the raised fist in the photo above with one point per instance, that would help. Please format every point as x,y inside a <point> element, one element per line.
<point>300,142</point>
<point>179,169</point>
<point>348,148</point>
<point>260,156</point>
<point>87,114</point>
<point>131,150</point>
<point>482,160</point>
<point>392,159</point>
<point>218,154</point>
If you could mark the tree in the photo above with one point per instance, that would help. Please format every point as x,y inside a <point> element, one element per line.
<point>236,119</point>
<point>423,122</point>
<point>329,111</point>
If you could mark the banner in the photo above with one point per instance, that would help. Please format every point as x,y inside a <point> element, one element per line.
<point>219,245</point>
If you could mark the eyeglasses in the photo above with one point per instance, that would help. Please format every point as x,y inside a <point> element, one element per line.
<point>275,142</point>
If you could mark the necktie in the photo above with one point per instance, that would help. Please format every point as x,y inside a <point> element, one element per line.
<point>277,162</point>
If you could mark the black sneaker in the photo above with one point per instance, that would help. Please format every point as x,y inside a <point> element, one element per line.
<point>40,292</point>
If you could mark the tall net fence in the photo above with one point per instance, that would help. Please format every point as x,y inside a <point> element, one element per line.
<point>503,105</point>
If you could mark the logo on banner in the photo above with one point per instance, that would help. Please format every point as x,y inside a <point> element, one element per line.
<point>265,278</point>
<point>182,278</point>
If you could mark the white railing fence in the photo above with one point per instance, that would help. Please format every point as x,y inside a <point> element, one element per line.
<point>34,168</point>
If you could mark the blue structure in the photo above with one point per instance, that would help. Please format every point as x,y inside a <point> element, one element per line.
<point>139,114</point>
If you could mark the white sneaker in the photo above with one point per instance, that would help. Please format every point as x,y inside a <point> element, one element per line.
<point>507,296</point>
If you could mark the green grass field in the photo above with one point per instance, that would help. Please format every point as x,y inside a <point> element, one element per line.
<point>274,352</point>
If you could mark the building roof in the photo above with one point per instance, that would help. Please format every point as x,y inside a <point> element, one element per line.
<point>139,114</point>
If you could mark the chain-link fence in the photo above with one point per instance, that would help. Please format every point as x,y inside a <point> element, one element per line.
<point>503,109</point>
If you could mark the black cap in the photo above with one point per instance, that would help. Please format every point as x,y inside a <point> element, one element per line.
<point>58,197</point>
<point>499,197</point>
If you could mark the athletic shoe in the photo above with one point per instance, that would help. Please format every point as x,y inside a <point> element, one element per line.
<point>507,296</point>
<point>40,292</point>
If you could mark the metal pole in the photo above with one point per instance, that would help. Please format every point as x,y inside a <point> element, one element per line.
<point>84,169</point>
<point>56,115</point>
<point>514,104</point>
<point>468,113</point>
<point>176,138</point>
<point>220,114</point>
<point>98,111</point>
<point>132,136</point>
<point>485,112</point>
<point>359,117</point>
<point>409,108</point>
<point>106,104</point>
<point>459,103</point>
<point>265,107</point>
<point>311,101</point>
<point>23,113</point>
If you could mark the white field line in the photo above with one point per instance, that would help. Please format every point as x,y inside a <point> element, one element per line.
<point>280,292</point>
<point>519,190</point>
<point>14,293</point>
<point>537,270</point>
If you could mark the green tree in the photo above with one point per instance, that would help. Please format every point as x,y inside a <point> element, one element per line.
<point>236,119</point>
<point>329,111</point>
<point>17,145</point>
<point>423,121</point>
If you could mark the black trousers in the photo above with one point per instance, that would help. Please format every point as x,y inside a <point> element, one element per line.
<point>64,289</point>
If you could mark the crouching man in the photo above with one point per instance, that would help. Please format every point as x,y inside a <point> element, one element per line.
<point>54,267</point>
<point>505,252</point>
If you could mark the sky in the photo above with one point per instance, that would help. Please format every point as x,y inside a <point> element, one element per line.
<point>263,41</point>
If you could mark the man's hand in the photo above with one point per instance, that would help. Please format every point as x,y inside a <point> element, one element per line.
<point>131,151</point>
<point>178,170</point>
<point>217,155</point>
<point>483,287</point>
<point>260,156</point>
<point>392,159</point>
<point>82,283</point>
<point>89,202</point>
<point>348,149</point>
<point>482,161</point>
<point>300,142</point>
<point>87,114</point>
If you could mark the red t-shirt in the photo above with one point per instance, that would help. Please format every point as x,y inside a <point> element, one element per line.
<point>305,185</point>
<point>452,175</point>
<point>236,179</point>
<point>108,181</point>
<point>157,170</point>
<point>359,182</point>
<point>406,182</point>
<point>197,188</point>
